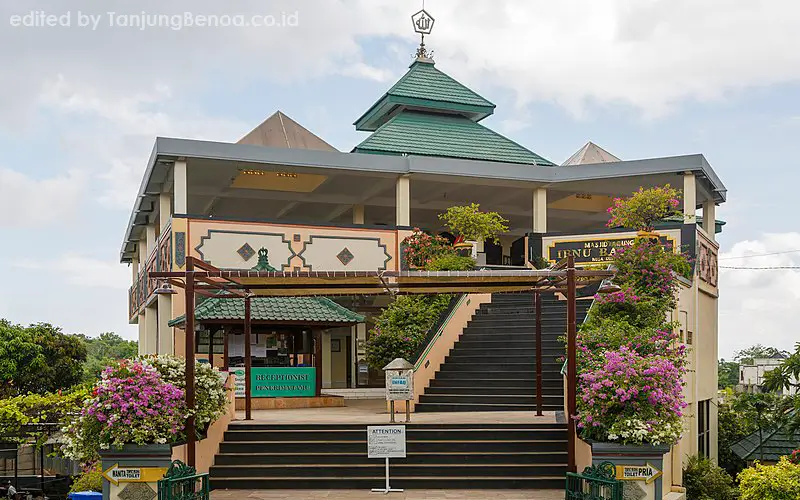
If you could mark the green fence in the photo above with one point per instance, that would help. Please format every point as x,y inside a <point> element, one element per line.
<point>182,482</point>
<point>594,483</point>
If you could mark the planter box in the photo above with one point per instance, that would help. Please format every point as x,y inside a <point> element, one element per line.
<point>639,467</point>
<point>147,459</point>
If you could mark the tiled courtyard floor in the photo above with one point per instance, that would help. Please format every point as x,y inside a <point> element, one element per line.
<point>406,495</point>
<point>371,411</point>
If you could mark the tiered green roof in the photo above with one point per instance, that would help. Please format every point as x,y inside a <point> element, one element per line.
<point>428,113</point>
<point>451,136</point>
<point>312,310</point>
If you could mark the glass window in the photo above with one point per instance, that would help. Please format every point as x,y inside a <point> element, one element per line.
<point>703,427</point>
<point>201,346</point>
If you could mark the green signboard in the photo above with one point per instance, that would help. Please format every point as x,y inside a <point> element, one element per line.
<point>283,382</point>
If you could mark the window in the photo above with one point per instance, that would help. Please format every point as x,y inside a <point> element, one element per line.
<point>704,427</point>
<point>201,346</point>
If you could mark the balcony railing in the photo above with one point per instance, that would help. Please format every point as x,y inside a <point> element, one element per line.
<point>160,259</point>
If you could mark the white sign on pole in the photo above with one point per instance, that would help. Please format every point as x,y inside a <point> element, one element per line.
<point>386,441</point>
<point>238,381</point>
<point>399,385</point>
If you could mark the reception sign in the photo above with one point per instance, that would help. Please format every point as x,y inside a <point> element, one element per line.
<point>283,382</point>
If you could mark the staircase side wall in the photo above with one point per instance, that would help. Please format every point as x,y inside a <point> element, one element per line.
<point>206,449</point>
<point>440,346</point>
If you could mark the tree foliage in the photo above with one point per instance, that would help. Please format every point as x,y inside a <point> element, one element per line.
<point>727,374</point>
<point>104,350</point>
<point>704,480</point>
<point>786,375</point>
<point>38,358</point>
<point>472,224</point>
<point>747,356</point>
<point>770,482</point>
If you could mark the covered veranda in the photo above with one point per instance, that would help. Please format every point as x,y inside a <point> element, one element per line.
<point>202,279</point>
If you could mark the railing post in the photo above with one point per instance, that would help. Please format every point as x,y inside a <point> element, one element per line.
<point>248,360</point>
<point>537,299</point>
<point>189,295</point>
<point>572,369</point>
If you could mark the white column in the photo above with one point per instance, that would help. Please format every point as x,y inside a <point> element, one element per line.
<point>403,201</point>
<point>539,210</point>
<point>709,218</point>
<point>151,330</point>
<point>358,214</point>
<point>181,193</point>
<point>689,198</point>
<point>150,238</point>
<point>142,335</point>
<point>165,333</point>
<point>135,268</point>
<point>164,209</point>
<point>326,359</point>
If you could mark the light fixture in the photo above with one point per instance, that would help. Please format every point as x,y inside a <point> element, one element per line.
<point>608,286</point>
<point>165,289</point>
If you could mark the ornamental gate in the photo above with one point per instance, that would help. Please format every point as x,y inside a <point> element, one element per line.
<point>182,482</point>
<point>595,483</point>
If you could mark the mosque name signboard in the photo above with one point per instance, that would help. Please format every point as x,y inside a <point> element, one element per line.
<point>595,250</point>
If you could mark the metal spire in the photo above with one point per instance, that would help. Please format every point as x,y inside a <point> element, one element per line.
<point>423,24</point>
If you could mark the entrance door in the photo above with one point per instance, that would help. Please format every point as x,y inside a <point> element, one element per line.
<point>350,361</point>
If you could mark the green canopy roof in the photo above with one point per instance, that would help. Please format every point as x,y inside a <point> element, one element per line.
<point>425,87</point>
<point>777,443</point>
<point>274,309</point>
<point>451,136</point>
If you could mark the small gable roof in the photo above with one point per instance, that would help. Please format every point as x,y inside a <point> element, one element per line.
<point>588,154</point>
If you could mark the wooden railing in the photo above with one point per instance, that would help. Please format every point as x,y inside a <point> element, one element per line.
<point>160,259</point>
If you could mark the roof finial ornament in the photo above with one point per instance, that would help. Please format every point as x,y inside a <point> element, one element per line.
<point>423,24</point>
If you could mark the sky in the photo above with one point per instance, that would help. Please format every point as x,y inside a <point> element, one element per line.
<point>86,86</point>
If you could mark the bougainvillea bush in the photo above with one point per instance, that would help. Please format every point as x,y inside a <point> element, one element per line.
<point>421,248</point>
<point>645,208</point>
<point>130,404</point>
<point>631,363</point>
<point>209,389</point>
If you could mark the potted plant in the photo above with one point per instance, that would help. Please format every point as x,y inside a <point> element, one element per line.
<point>470,225</point>
<point>644,209</point>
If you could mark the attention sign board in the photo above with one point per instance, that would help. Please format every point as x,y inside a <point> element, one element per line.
<point>386,441</point>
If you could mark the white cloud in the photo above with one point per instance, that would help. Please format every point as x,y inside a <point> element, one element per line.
<point>760,306</point>
<point>82,271</point>
<point>28,201</point>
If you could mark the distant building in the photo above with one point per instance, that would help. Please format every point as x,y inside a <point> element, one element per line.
<point>751,377</point>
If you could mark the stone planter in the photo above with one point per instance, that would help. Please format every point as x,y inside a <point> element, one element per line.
<point>639,466</point>
<point>147,459</point>
<point>463,249</point>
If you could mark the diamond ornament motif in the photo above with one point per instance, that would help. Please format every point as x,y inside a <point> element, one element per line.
<point>345,256</point>
<point>246,252</point>
<point>137,491</point>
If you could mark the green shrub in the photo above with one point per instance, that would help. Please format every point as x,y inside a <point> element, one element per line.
<point>704,480</point>
<point>89,480</point>
<point>402,327</point>
<point>451,262</point>
<point>770,482</point>
<point>469,223</point>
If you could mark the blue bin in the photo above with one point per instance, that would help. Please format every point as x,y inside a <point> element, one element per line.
<point>85,495</point>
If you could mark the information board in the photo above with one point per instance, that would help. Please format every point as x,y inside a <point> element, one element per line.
<point>386,441</point>
<point>277,382</point>
<point>399,385</point>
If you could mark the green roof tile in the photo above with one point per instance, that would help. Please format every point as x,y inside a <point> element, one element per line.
<point>425,87</point>
<point>277,309</point>
<point>777,443</point>
<point>424,81</point>
<point>452,136</point>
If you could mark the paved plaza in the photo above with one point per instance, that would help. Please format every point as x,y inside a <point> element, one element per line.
<point>406,495</point>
